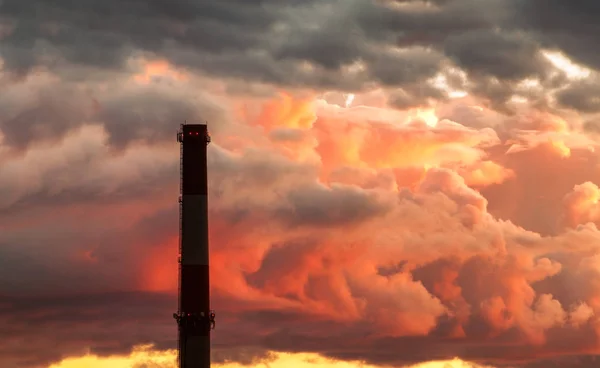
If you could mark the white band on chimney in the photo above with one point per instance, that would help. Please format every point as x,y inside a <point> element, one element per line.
<point>194,245</point>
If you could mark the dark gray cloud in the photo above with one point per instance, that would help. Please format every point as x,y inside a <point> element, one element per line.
<point>104,33</point>
<point>152,115</point>
<point>338,205</point>
<point>45,109</point>
<point>404,68</point>
<point>569,26</point>
<point>272,41</point>
<point>506,56</point>
<point>84,173</point>
<point>583,96</point>
<point>48,113</point>
<point>100,323</point>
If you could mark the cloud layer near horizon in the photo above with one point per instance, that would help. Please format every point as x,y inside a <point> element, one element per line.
<point>449,208</point>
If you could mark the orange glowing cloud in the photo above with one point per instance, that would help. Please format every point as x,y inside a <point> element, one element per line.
<point>355,232</point>
<point>581,205</point>
<point>158,275</point>
<point>287,111</point>
<point>483,173</point>
<point>427,247</point>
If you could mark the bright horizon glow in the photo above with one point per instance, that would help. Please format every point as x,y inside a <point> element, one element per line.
<point>166,359</point>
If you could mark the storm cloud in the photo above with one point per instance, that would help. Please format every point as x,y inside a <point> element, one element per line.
<point>391,182</point>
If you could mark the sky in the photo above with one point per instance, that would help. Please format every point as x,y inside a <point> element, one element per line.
<point>391,183</point>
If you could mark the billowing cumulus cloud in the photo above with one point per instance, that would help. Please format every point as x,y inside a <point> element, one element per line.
<point>391,183</point>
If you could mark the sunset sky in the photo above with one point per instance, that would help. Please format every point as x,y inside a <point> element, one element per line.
<point>391,183</point>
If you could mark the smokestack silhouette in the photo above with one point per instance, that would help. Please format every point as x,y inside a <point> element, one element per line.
<point>194,317</point>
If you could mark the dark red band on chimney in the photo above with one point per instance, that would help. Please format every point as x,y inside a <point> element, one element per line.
<point>195,289</point>
<point>194,160</point>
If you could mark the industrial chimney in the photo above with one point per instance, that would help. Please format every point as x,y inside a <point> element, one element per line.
<point>194,317</point>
